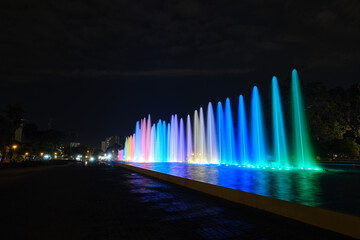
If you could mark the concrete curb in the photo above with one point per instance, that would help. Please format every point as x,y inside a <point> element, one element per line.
<point>334,221</point>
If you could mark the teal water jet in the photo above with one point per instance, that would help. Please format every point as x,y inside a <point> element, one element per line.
<point>243,136</point>
<point>304,156</point>
<point>279,136</point>
<point>257,130</point>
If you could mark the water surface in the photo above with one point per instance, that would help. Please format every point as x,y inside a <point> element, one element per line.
<point>337,189</point>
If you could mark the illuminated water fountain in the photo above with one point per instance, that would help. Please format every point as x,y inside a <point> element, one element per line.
<point>303,148</point>
<point>258,140</point>
<point>243,137</point>
<point>214,137</point>
<point>280,143</point>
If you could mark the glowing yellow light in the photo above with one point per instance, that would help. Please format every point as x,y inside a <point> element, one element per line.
<point>14,146</point>
<point>42,154</point>
<point>26,153</point>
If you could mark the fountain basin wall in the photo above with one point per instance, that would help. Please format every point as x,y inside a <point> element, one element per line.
<point>323,218</point>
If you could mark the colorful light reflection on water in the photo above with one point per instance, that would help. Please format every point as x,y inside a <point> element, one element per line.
<point>312,188</point>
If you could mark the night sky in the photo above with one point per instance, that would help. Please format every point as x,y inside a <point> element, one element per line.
<point>95,67</point>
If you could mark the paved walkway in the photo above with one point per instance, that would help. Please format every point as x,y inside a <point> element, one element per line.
<point>77,202</point>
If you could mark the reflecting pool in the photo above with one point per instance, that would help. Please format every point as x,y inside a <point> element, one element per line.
<point>336,189</point>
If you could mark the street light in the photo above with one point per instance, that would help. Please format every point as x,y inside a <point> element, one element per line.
<point>14,147</point>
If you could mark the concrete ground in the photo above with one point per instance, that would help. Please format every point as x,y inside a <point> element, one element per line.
<point>99,202</point>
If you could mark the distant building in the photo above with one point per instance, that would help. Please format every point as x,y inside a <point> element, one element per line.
<point>19,134</point>
<point>110,142</point>
<point>74,144</point>
<point>103,146</point>
<point>19,131</point>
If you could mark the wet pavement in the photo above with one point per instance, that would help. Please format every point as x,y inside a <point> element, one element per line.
<point>77,202</point>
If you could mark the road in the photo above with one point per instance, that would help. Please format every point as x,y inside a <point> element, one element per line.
<point>100,202</point>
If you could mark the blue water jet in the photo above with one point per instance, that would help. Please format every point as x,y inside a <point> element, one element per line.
<point>279,135</point>
<point>243,136</point>
<point>230,136</point>
<point>257,130</point>
<point>220,127</point>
